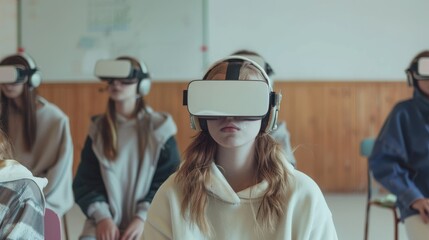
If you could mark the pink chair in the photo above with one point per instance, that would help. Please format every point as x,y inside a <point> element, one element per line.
<point>52,225</point>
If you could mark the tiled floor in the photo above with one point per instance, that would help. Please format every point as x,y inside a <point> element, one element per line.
<point>348,211</point>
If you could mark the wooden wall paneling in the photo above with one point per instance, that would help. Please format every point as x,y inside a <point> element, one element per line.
<point>301,111</point>
<point>167,97</point>
<point>367,124</point>
<point>338,137</point>
<point>79,102</point>
<point>326,121</point>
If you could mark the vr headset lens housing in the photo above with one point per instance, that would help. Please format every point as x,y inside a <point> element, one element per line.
<point>423,68</point>
<point>110,70</point>
<point>231,98</point>
<point>10,74</point>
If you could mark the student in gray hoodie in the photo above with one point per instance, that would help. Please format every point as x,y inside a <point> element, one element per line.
<point>129,152</point>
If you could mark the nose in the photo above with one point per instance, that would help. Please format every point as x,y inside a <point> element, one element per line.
<point>114,82</point>
<point>230,118</point>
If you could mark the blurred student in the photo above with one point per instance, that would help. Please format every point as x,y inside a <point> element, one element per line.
<point>234,182</point>
<point>400,157</point>
<point>38,129</point>
<point>281,133</point>
<point>22,203</point>
<point>129,152</point>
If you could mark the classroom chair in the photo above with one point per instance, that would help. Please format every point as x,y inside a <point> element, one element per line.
<point>65,227</point>
<point>52,225</point>
<point>377,195</point>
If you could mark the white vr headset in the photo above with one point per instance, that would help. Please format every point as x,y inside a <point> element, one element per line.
<point>10,74</point>
<point>114,69</point>
<point>229,98</point>
<point>422,70</point>
<point>124,71</point>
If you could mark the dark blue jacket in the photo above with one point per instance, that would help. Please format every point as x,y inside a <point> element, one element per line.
<point>400,158</point>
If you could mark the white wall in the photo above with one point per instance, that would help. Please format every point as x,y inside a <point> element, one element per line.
<point>8,27</point>
<point>343,40</point>
<point>324,40</point>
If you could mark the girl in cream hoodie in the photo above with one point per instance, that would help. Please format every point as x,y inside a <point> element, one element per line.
<point>235,182</point>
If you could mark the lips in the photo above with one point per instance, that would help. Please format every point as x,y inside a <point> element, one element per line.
<point>230,128</point>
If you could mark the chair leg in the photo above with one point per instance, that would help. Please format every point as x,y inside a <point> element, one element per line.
<point>66,231</point>
<point>366,221</point>
<point>396,222</point>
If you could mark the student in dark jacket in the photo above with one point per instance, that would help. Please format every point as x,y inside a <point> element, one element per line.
<point>400,158</point>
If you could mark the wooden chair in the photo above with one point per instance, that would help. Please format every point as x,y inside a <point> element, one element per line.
<point>377,196</point>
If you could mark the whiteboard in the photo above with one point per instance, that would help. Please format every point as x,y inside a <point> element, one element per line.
<point>67,37</point>
<point>307,40</point>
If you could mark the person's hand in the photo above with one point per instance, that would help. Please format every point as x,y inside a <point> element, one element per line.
<point>422,205</point>
<point>134,230</point>
<point>107,230</point>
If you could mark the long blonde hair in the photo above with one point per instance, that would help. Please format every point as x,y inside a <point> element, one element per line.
<point>6,151</point>
<point>198,157</point>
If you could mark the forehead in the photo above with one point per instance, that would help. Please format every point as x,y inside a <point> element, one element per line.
<point>234,71</point>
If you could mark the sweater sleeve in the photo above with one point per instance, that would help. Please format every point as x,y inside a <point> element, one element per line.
<point>323,227</point>
<point>58,192</point>
<point>21,210</point>
<point>389,160</point>
<point>88,186</point>
<point>314,218</point>
<point>169,160</point>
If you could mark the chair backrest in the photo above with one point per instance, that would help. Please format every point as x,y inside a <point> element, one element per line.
<point>52,225</point>
<point>375,190</point>
<point>366,146</point>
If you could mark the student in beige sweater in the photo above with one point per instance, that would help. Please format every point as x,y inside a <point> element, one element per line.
<point>235,182</point>
<point>39,131</point>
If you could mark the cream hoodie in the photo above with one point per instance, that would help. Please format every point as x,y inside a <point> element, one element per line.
<point>307,216</point>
